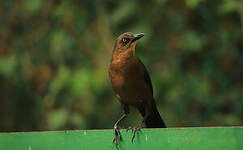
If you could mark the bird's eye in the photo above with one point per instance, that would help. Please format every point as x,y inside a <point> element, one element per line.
<point>125,40</point>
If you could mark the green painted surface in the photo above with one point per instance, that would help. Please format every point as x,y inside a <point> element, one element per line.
<point>230,138</point>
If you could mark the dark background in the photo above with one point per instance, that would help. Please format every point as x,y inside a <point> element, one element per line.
<point>54,57</point>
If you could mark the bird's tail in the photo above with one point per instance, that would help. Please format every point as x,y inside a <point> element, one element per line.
<point>154,120</point>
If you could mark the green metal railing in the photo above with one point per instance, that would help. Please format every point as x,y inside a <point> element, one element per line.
<point>225,138</point>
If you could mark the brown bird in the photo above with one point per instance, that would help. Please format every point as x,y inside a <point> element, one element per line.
<point>132,85</point>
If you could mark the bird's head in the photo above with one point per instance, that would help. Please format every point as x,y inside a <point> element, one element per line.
<point>126,42</point>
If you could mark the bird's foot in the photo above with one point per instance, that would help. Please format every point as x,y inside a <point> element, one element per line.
<point>134,130</point>
<point>117,135</point>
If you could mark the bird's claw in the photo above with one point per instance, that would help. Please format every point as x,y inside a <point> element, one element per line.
<point>129,128</point>
<point>134,130</point>
<point>117,135</point>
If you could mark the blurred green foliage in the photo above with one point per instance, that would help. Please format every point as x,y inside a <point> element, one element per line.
<point>54,57</point>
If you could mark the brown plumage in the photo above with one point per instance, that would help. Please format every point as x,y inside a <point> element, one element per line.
<point>131,83</point>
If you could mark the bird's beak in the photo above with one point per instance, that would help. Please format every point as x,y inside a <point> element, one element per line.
<point>137,36</point>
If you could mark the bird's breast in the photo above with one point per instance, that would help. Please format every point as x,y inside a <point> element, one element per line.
<point>127,82</point>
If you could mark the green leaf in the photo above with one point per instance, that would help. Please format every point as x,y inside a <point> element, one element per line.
<point>61,80</point>
<point>192,3</point>
<point>8,65</point>
<point>57,118</point>
<point>124,11</point>
<point>32,6</point>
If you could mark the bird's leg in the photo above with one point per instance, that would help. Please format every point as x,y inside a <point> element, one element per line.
<point>117,133</point>
<point>135,129</point>
<point>139,127</point>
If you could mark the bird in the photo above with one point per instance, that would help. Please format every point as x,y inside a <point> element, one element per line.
<point>132,85</point>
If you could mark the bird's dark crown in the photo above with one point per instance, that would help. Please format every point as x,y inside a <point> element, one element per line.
<point>124,40</point>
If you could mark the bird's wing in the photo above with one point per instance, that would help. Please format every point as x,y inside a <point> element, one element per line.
<point>146,76</point>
